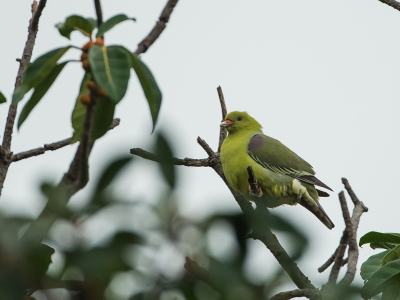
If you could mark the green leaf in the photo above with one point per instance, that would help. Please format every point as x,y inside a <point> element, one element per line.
<point>111,70</point>
<point>40,90</point>
<point>2,98</point>
<point>392,255</point>
<point>163,150</point>
<point>385,277</point>
<point>37,71</point>
<point>79,112</point>
<point>149,86</point>
<point>38,259</point>
<point>103,117</point>
<point>378,237</point>
<point>371,265</point>
<point>110,172</point>
<point>75,22</point>
<point>392,293</point>
<point>110,23</point>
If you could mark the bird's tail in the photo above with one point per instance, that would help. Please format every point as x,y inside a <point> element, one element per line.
<point>319,212</point>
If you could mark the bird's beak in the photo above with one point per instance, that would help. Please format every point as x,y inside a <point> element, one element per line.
<point>226,123</point>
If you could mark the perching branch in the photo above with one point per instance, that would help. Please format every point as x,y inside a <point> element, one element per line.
<point>158,28</point>
<point>5,153</point>
<point>222,131</point>
<point>51,147</point>
<point>392,3</point>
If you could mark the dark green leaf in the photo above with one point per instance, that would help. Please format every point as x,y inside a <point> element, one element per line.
<point>75,22</point>
<point>378,237</point>
<point>2,98</point>
<point>392,293</point>
<point>163,150</point>
<point>38,259</point>
<point>40,90</point>
<point>103,117</point>
<point>37,71</point>
<point>392,255</point>
<point>124,238</point>
<point>110,23</point>
<point>149,86</point>
<point>79,112</point>
<point>97,264</point>
<point>110,172</point>
<point>387,246</point>
<point>382,279</point>
<point>111,70</point>
<point>371,265</point>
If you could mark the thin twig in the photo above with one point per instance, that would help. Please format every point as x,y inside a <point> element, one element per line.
<point>206,147</point>
<point>5,153</point>
<point>51,147</point>
<point>189,162</point>
<point>193,268</point>
<point>353,195</point>
<point>222,130</point>
<point>158,28</point>
<point>330,260</point>
<point>392,3</point>
<point>308,293</point>
<point>99,12</point>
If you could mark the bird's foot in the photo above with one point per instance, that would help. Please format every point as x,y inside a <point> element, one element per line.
<point>257,193</point>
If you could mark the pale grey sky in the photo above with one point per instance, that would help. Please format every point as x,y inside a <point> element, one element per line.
<point>320,76</point>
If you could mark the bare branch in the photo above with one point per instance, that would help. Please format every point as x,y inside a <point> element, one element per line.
<point>308,293</point>
<point>158,28</point>
<point>206,147</point>
<point>52,147</point>
<point>189,162</point>
<point>353,196</point>
<point>392,3</point>
<point>222,131</point>
<point>99,12</point>
<point>5,153</point>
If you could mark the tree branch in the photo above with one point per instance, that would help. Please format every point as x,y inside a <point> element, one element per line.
<point>51,147</point>
<point>308,293</point>
<point>222,131</point>
<point>5,153</point>
<point>158,28</point>
<point>392,3</point>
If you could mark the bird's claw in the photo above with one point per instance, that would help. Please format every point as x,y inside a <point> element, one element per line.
<point>257,193</point>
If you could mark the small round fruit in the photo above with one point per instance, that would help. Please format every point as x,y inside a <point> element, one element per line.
<point>101,92</point>
<point>86,65</point>
<point>86,47</point>
<point>91,85</point>
<point>85,99</point>
<point>99,41</point>
<point>84,56</point>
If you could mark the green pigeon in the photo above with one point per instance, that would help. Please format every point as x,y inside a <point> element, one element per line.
<point>283,176</point>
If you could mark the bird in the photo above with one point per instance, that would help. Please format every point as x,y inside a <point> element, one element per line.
<point>283,177</point>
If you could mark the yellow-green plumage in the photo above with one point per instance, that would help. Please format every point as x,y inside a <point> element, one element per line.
<point>284,177</point>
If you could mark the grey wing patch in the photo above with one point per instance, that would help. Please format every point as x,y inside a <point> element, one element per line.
<point>300,175</point>
<point>281,170</point>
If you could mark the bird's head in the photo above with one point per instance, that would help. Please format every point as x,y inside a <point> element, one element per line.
<point>237,121</point>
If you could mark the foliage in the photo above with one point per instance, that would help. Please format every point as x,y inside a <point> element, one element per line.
<point>109,67</point>
<point>381,272</point>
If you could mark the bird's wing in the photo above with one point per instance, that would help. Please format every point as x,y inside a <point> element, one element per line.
<point>275,156</point>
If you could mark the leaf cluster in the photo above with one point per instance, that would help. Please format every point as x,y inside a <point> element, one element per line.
<point>381,272</point>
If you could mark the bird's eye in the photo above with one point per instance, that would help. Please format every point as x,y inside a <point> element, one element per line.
<point>239,118</point>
